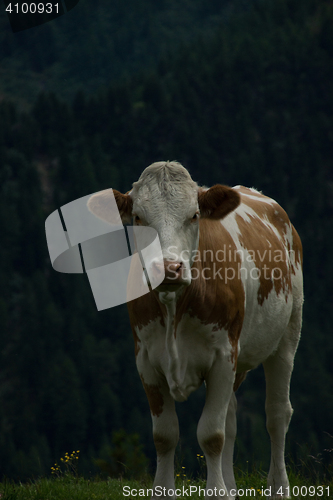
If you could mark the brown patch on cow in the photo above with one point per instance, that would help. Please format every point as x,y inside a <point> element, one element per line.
<point>211,298</point>
<point>240,377</point>
<point>162,444</point>
<point>155,398</point>
<point>146,308</point>
<point>218,201</point>
<point>213,445</point>
<point>270,274</point>
<point>268,249</point>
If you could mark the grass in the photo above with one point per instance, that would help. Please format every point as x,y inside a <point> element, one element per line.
<point>66,484</point>
<point>62,488</point>
<point>68,487</point>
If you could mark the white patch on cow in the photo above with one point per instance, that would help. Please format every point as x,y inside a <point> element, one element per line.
<point>196,347</point>
<point>272,316</point>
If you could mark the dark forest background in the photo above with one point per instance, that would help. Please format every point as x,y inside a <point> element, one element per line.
<point>240,93</point>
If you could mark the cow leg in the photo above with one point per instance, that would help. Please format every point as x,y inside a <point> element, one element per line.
<point>278,369</point>
<point>211,427</point>
<point>228,450</point>
<point>165,424</point>
<point>166,436</point>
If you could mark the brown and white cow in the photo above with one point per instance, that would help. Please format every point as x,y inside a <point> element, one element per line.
<point>231,299</point>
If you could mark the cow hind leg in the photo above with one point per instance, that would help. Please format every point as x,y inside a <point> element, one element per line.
<point>230,436</point>
<point>278,369</point>
<point>228,450</point>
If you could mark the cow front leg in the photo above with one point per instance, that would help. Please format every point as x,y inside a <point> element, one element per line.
<point>211,427</point>
<point>165,434</point>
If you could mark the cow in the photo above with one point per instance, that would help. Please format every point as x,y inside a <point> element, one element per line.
<point>231,299</point>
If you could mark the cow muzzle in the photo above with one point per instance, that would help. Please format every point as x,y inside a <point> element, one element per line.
<point>174,275</point>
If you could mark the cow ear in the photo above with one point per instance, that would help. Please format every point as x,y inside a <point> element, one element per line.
<point>217,202</point>
<point>102,205</point>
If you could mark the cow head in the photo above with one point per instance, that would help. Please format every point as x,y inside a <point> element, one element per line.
<point>167,199</point>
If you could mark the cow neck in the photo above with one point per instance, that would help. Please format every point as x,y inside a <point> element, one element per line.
<point>169,300</point>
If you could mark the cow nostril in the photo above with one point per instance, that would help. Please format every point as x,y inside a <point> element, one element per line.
<point>180,265</point>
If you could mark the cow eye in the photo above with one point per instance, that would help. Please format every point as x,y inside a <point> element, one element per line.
<point>195,216</point>
<point>137,219</point>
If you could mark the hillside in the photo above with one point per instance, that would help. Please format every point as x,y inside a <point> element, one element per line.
<point>100,42</point>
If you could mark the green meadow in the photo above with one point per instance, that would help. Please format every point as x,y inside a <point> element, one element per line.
<point>70,487</point>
